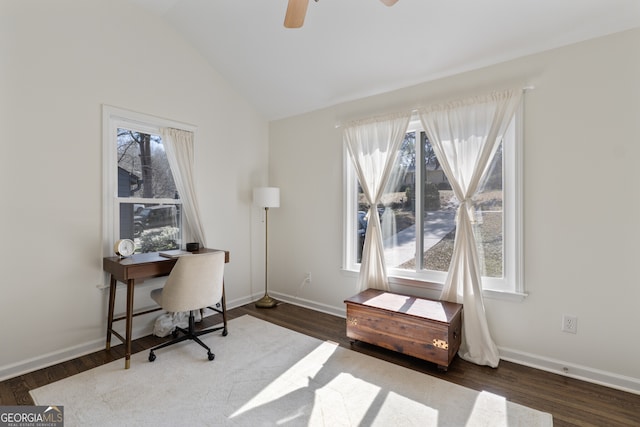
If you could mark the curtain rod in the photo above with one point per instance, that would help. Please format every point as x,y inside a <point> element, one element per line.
<point>415,110</point>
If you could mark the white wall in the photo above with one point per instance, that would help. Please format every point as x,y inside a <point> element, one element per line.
<point>581,225</point>
<point>59,62</point>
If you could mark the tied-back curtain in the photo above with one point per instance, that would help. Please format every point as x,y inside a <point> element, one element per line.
<point>178,144</point>
<point>465,135</point>
<point>373,147</point>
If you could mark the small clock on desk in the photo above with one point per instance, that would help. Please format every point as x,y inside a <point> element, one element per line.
<point>124,247</point>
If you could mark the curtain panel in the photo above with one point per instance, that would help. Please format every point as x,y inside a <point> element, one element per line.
<point>179,146</point>
<point>373,146</point>
<point>465,136</point>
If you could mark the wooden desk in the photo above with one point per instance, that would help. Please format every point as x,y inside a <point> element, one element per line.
<point>128,270</point>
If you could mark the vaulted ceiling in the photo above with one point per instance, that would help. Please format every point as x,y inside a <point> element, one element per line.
<point>349,49</point>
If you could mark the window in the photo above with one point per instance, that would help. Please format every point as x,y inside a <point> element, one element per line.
<point>140,197</point>
<point>418,212</point>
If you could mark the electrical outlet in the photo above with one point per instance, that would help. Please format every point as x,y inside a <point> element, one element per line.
<point>308,278</point>
<point>569,324</point>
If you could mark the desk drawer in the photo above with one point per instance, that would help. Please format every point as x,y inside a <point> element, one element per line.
<point>156,269</point>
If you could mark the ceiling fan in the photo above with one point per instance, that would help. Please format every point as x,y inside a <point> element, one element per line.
<point>297,10</point>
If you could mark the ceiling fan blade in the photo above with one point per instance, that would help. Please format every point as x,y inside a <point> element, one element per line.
<point>389,2</point>
<point>296,11</point>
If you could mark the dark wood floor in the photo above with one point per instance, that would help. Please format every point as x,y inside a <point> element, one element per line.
<point>571,402</point>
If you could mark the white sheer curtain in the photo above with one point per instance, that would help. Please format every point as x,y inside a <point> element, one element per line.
<point>180,153</point>
<point>465,136</point>
<point>373,147</point>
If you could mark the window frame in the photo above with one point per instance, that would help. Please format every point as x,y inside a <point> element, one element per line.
<point>112,119</point>
<point>511,285</point>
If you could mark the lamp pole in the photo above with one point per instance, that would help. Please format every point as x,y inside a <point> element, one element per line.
<point>266,197</point>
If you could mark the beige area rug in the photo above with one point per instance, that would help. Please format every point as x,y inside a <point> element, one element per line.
<point>266,375</point>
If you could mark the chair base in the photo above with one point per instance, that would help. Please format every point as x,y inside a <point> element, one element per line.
<point>191,334</point>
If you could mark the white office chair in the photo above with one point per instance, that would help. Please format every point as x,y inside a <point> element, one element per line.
<point>195,282</point>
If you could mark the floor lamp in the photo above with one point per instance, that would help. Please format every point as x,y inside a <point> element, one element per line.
<point>266,197</point>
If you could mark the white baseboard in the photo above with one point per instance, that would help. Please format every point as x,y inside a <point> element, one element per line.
<point>571,370</point>
<point>43,361</point>
<point>50,359</point>
<point>53,358</point>
<point>340,312</point>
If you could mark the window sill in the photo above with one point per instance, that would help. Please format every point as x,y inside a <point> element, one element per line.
<point>437,287</point>
<point>504,295</point>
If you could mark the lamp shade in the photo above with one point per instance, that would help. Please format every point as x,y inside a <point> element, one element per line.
<point>266,197</point>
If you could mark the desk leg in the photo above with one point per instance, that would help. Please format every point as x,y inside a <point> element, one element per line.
<point>127,355</point>
<point>224,308</point>
<point>112,300</point>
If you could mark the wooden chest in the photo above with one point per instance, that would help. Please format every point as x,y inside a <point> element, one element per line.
<point>422,328</point>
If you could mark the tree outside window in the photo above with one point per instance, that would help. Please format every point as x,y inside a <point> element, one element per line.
<point>149,205</point>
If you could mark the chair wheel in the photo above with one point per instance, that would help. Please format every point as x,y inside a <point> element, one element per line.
<point>152,356</point>
<point>225,332</point>
<point>211,356</point>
